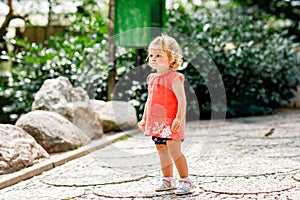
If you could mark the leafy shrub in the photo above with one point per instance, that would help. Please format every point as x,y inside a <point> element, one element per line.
<point>80,54</point>
<point>257,64</point>
<point>76,57</point>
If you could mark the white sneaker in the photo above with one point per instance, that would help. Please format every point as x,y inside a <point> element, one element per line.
<point>167,184</point>
<point>185,186</point>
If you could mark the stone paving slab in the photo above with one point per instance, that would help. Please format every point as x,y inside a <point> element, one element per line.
<point>34,189</point>
<point>297,177</point>
<point>244,166</point>
<point>140,189</point>
<point>229,161</point>
<point>249,185</point>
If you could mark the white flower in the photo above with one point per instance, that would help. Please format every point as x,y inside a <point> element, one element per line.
<point>166,133</point>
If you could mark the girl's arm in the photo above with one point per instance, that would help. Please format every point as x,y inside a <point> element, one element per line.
<point>178,89</point>
<point>142,123</point>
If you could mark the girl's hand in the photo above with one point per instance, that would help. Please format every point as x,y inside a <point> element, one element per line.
<point>142,125</point>
<point>176,125</point>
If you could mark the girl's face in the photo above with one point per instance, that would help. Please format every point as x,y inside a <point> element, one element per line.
<point>158,60</point>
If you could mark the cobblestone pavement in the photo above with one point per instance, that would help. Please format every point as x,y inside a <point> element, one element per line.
<point>227,160</point>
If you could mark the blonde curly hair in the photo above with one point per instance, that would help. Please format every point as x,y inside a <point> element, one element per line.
<point>170,46</point>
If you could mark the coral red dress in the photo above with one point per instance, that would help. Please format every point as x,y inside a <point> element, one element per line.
<point>162,106</point>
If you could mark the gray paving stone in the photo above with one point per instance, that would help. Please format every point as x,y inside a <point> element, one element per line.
<point>297,177</point>
<point>249,185</point>
<point>87,173</point>
<point>294,195</point>
<point>241,166</point>
<point>33,189</point>
<point>144,188</point>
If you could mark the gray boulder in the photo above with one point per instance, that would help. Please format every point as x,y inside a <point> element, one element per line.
<point>115,115</point>
<point>52,131</point>
<point>18,149</point>
<point>58,95</point>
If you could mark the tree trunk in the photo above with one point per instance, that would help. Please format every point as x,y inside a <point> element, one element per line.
<point>8,18</point>
<point>111,51</point>
<point>5,24</point>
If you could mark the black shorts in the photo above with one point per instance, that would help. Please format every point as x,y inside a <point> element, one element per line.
<point>158,140</point>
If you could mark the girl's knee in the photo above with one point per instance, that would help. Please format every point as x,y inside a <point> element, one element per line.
<point>162,148</point>
<point>175,153</point>
<point>174,149</point>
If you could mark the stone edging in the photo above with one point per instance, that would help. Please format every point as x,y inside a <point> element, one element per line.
<point>57,160</point>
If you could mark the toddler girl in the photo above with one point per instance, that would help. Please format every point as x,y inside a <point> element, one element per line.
<point>165,110</point>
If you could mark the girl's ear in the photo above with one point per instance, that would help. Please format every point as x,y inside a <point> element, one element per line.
<point>172,64</point>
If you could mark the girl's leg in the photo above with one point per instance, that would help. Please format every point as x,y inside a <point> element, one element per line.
<point>165,160</point>
<point>174,149</point>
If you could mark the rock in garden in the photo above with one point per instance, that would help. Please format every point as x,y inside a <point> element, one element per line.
<point>52,131</point>
<point>58,95</point>
<point>115,115</point>
<point>18,149</point>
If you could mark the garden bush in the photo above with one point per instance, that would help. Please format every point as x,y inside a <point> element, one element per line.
<point>81,54</point>
<point>257,64</point>
<point>69,56</point>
